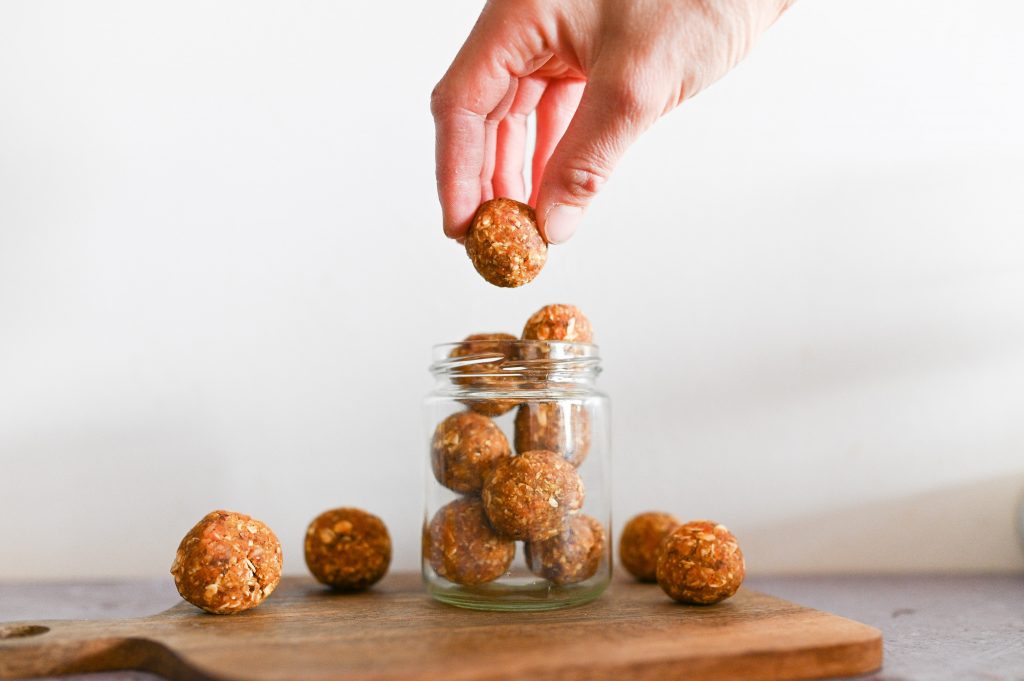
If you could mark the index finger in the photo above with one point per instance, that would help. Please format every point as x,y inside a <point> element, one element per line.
<point>478,87</point>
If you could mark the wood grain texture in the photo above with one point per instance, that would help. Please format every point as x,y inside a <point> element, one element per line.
<point>396,632</point>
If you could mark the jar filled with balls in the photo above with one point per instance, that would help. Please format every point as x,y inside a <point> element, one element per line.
<point>518,498</point>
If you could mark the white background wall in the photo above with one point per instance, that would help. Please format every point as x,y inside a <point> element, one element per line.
<point>222,268</point>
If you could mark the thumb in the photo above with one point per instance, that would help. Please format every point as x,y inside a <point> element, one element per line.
<point>611,115</point>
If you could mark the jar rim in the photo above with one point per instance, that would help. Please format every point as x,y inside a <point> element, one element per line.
<point>556,360</point>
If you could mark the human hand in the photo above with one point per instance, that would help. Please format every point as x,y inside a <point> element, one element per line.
<point>597,73</point>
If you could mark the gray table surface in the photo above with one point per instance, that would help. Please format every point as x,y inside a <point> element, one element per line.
<point>936,628</point>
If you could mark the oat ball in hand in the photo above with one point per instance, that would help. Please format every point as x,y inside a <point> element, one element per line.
<point>570,557</point>
<point>701,563</point>
<point>640,540</point>
<point>228,563</point>
<point>485,375</point>
<point>347,549</point>
<point>465,447</point>
<point>561,427</point>
<point>559,323</point>
<point>463,548</point>
<point>505,244</point>
<point>532,496</point>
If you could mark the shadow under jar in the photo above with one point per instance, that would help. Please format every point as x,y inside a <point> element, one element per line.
<point>518,498</point>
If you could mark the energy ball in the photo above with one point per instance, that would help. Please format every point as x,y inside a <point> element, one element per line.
<point>700,562</point>
<point>482,375</point>
<point>641,538</point>
<point>570,557</point>
<point>563,428</point>
<point>462,546</point>
<point>504,243</point>
<point>347,549</point>
<point>228,563</point>
<point>466,446</point>
<point>559,323</point>
<point>532,496</point>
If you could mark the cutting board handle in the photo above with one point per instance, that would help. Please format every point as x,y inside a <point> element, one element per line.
<point>29,649</point>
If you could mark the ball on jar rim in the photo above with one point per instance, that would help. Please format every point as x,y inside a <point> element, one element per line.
<point>504,243</point>
<point>640,540</point>
<point>347,549</point>
<point>465,448</point>
<point>570,557</point>
<point>700,562</point>
<point>227,563</point>
<point>561,427</point>
<point>485,375</point>
<point>462,547</point>
<point>559,322</point>
<point>532,496</point>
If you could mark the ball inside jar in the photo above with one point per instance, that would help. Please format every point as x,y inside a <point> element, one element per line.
<point>532,496</point>
<point>561,427</point>
<point>485,375</point>
<point>465,447</point>
<point>570,557</point>
<point>462,547</point>
<point>559,323</point>
<point>700,563</point>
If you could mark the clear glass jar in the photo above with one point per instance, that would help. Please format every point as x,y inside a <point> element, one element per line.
<point>518,487</point>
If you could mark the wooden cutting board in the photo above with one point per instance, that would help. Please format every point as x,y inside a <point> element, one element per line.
<point>395,632</point>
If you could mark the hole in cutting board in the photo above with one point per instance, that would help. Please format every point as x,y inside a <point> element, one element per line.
<point>22,631</point>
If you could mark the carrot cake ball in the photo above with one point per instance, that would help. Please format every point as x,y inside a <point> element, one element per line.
<point>532,496</point>
<point>461,546</point>
<point>228,563</point>
<point>700,562</point>
<point>466,446</point>
<point>347,549</point>
<point>562,427</point>
<point>559,323</point>
<point>505,244</point>
<point>485,375</point>
<point>570,557</point>
<point>641,538</point>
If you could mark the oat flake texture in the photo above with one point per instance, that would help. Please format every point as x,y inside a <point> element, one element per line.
<point>532,496</point>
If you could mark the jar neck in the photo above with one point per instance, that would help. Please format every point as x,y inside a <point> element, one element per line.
<point>512,365</point>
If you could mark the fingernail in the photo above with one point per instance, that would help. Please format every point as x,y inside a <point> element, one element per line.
<point>561,222</point>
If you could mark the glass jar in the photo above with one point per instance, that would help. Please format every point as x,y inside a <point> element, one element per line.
<point>518,486</point>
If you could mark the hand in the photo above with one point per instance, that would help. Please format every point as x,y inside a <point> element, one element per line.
<point>596,72</point>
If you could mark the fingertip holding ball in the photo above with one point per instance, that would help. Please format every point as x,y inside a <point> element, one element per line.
<point>504,243</point>
<point>347,549</point>
<point>227,563</point>
<point>641,538</point>
<point>700,563</point>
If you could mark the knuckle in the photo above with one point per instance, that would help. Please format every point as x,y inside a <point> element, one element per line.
<point>584,180</point>
<point>440,100</point>
<point>627,96</point>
